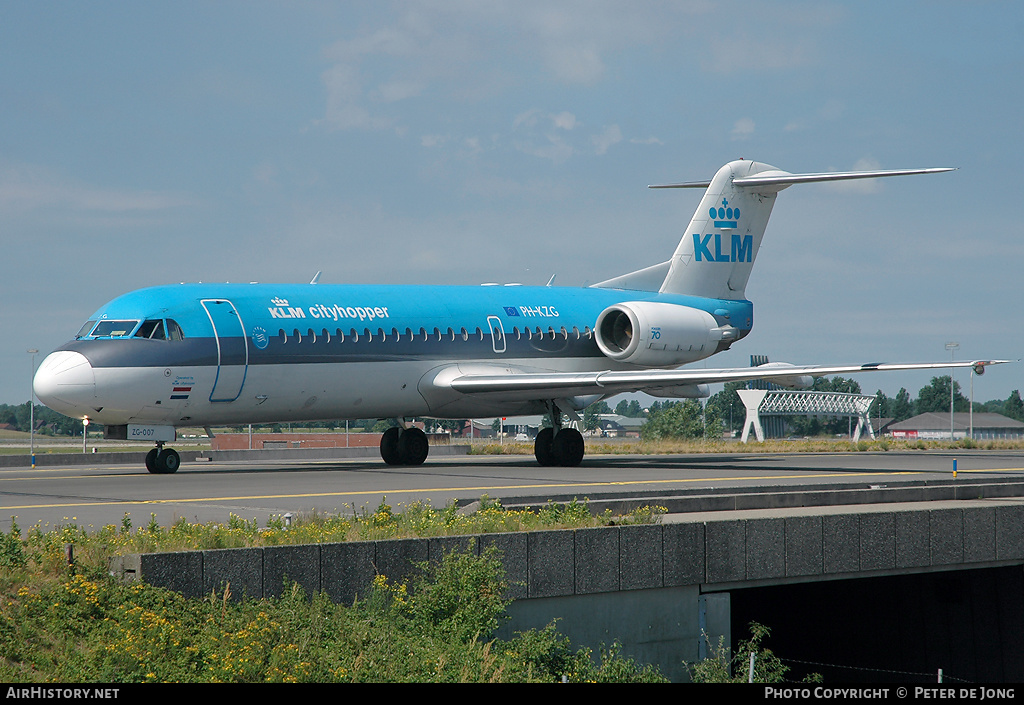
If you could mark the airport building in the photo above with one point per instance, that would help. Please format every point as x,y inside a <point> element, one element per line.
<point>932,426</point>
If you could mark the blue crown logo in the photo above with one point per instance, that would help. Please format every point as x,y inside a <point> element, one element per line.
<point>725,216</point>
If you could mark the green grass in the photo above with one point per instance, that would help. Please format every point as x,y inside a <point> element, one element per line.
<point>415,520</point>
<point>78,624</point>
<point>807,445</point>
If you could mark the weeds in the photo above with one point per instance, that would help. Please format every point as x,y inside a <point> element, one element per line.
<point>86,627</point>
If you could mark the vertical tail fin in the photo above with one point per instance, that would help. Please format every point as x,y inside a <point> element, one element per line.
<point>718,249</point>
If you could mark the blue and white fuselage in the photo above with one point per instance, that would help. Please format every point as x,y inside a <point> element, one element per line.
<point>156,359</point>
<point>242,353</point>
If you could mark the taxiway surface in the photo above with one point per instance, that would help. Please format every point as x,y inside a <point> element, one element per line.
<point>210,491</point>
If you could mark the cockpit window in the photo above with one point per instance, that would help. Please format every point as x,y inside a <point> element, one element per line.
<point>174,330</point>
<point>85,329</point>
<point>114,329</point>
<point>153,329</point>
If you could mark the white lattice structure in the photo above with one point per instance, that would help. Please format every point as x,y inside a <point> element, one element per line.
<point>762,402</point>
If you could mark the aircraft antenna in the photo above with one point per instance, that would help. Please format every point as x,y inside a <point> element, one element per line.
<point>316,278</point>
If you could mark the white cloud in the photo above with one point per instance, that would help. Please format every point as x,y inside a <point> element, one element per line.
<point>575,64</point>
<point>395,91</point>
<point>645,140</point>
<point>743,128</point>
<point>564,121</point>
<point>612,135</point>
<point>858,185</point>
<point>31,188</point>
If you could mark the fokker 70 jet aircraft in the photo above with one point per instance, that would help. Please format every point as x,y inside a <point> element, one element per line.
<point>202,354</point>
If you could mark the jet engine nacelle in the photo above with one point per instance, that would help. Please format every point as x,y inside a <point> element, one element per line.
<point>653,334</point>
<point>793,382</point>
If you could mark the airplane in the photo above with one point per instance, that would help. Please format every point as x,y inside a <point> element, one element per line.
<point>163,357</point>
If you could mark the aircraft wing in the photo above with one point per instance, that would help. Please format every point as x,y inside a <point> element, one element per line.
<point>540,385</point>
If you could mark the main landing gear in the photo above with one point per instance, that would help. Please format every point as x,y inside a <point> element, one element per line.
<point>404,446</point>
<point>558,445</point>
<point>162,461</point>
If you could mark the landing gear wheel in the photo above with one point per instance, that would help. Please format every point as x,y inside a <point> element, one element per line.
<point>389,446</point>
<point>169,460</point>
<point>413,446</point>
<point>567,447</point>
<point>162,461</point>
<point>542,447</point>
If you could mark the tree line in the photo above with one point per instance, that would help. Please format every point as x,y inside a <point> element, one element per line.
<point>17,417</point>
<point>724,411</point>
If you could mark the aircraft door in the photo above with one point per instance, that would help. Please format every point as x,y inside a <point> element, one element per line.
<point>497,334</point>
<point>232,349</point>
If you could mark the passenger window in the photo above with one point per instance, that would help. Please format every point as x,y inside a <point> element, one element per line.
<point>284,336</point>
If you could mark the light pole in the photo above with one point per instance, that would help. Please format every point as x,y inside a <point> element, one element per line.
<point>952,350</point>
<point>971,407</point>
<point>32,407</point>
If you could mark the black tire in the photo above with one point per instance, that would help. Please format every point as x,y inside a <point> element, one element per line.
<point>168,461</point>
<point>413,446</point>
<point>389,446</point>
<point>542,447</point>
<point>568,447</point>
<point>151,462</point>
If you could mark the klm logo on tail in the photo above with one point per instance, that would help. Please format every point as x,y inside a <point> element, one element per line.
<point>741,250</point>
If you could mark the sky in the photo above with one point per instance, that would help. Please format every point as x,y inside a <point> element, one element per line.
<point>465,141</point>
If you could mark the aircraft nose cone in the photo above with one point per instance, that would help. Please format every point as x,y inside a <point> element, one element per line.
<point>65,382</point>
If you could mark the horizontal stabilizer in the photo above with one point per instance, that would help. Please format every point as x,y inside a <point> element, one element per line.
<point>784,178</point>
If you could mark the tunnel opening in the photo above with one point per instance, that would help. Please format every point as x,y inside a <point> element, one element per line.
<point>899,629</point>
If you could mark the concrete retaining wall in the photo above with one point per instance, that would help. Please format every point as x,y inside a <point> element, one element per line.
<point>713,554</point>
<point>646,586</point>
